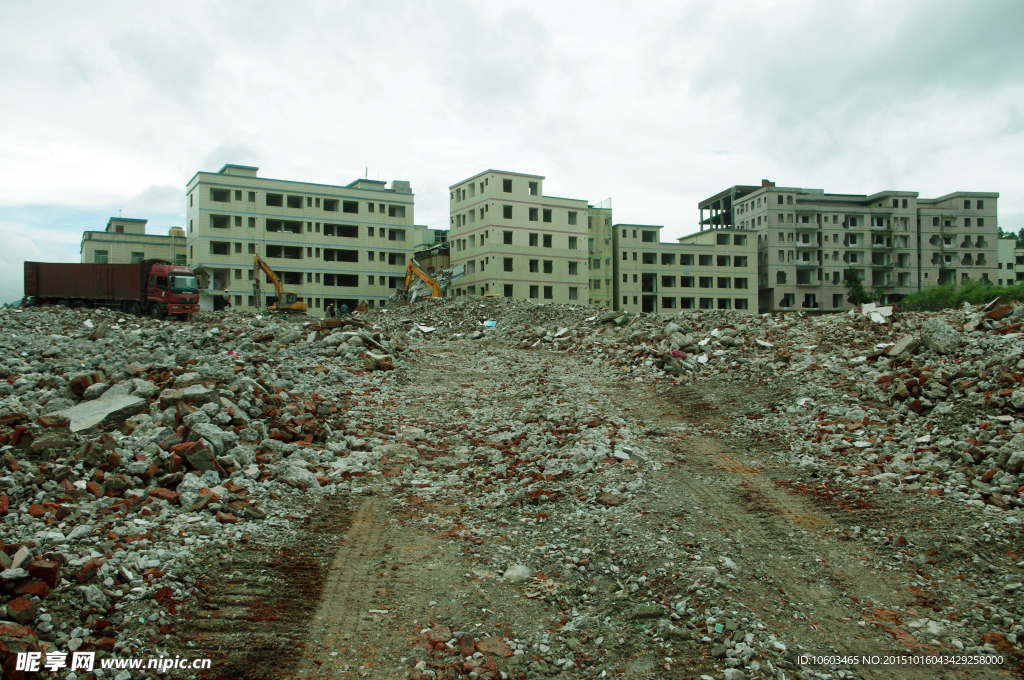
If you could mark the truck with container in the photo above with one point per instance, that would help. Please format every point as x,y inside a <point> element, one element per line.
<point>149,287</point>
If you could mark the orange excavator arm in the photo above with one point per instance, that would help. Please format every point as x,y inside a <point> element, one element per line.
<point>413,268</point>
<point>258,264</point>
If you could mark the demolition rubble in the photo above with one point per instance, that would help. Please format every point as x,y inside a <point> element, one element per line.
<point>705,494</point>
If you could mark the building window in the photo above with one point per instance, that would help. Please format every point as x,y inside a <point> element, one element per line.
<point>508,290</point>
<point>533,214</point>
<point>219,247</point>
<point>138,257</point>
<point>548,266</point>
<point>535,266</point>
<point>706,282</point>
<point>219,221</point>
<point>394,210</point>
<point>352,207</point>
<point>547,215</point>
<point>573,268</point>
<point>534,291</point>
<point>649,236</point>
<point>572,220</point>
<point>238,248</point>
<point>252,222</point>
<point>506,212</point>
<point>238,274</point>
<point>99,256</point>
<point>981,221</point>
<point>506,186</point>
<point>507,237</point>
<point>549,292</point>
<point>534,240</point>
<point>508,267</point>
<point>179,260</point>
<point>724,282</point>
<point>275,200</point>
<point>220,195</point>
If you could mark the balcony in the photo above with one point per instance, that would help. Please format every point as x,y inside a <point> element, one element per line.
<point>809,244</point>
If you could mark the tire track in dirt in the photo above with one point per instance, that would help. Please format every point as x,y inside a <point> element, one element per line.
<point>796,575</point>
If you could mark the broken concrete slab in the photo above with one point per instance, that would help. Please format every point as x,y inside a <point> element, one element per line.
<point>92,413</point>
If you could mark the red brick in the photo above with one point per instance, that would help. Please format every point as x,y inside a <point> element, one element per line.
<point>37,588</point>
<point>495,646</point>
<point>53,420</point>
<point>47,571</point>
<point>80,383</point>
<point>226,518</point>
<point>174,463</point>
<point>88,570</point>
<point>5,503</point>
<point>22,610</point>
<point>987,477</point>
<point>166,494</point>
<point>36,510</point>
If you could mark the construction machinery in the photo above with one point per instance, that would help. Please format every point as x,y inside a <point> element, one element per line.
<point>414,269</point>
<point>287,303</point>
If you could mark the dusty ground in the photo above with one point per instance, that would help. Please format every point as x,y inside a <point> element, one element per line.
<point>366,572</point>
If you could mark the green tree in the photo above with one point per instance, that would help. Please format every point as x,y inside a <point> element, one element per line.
<point>855,288</point>
<point>1020,238</point>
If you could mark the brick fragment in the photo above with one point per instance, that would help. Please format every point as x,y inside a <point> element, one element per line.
<point>22,610</point>
<point>47,571</point>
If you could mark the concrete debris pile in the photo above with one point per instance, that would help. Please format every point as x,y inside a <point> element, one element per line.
<point>130,448</point>
<point>568,531</point>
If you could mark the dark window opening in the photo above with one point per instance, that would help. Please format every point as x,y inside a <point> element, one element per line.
<point>275,200</point>
<point>219,221</point>
<point>295,201</point>
<point>350,207</point>
<point>220,195</point>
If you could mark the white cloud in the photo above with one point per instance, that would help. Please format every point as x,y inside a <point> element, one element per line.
<point>657,105</point>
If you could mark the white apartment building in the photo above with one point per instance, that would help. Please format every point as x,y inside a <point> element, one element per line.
<point>515,241</point>
<point>125,241</point>
<point>329,244</point>
<point>714,269</point>
<point>898,242</point>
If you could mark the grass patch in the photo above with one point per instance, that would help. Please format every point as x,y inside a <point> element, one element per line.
<point>975,292</point>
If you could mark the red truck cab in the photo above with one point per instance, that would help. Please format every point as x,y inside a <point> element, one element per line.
<point>172,289</point>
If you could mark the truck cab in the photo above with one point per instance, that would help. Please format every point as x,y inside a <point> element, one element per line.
<point>171,289</point>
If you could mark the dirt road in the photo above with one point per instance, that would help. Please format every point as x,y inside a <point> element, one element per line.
<point>683,547</point>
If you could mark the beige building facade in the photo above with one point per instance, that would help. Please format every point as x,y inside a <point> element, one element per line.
<point>329,244</point>
<point>125,241</point>
<point>898,242</point>
<point>715,269</point>
<point>512,240</point>
<point>601,251</point>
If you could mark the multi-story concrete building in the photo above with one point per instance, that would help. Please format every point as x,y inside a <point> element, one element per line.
<point>125,241</point>
<point>1006,249</point>
<point>329,244</point>
<point>898,242</point>
<point>958,238</point>
<point>714,269</point>
<point>601,249</point>
<point>425,237</point>
<point>515,241</point>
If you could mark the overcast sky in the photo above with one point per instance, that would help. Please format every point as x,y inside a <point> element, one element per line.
<point>114,106</point>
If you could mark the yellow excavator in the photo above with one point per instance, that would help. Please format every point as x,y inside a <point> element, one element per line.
<point>413,291</point>
<point>287,303</point>
<point>413,268</point>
